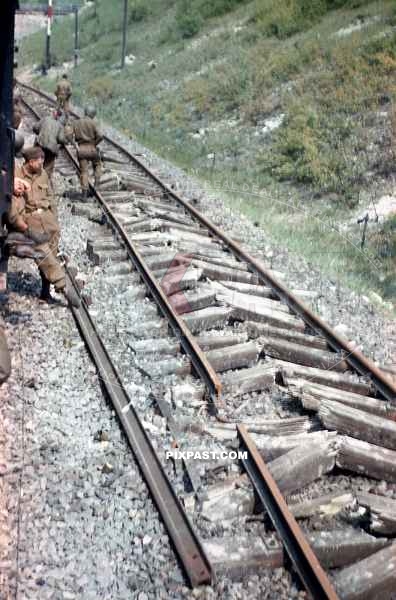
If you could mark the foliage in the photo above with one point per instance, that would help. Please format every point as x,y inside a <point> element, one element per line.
<point>101,88</point>
<point>312,149</point>
<point>263,59</point>
<point>192,14</point>
<point>283,19</point>
<point>188,23</point>
<point>137,11</point>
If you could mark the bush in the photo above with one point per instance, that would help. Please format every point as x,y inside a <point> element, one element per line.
<point>138,11</point>
<point>311,148</point>
<point>191,14</point>
<point>188,23</point>
<point>285,18</point>
<point>197,92</point>
<point>101,88</point>
<point>215,8</point>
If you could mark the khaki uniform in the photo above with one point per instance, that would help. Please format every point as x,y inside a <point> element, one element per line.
<point>88,136</point>
<point>36,208</point>
<point>63,94</point>
<point>50,136</point>
<point>5,358</point>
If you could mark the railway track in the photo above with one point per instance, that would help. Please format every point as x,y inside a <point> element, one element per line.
<point>233,345</point>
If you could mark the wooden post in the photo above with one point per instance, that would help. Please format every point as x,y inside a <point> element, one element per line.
<point>48,38</point>
<point>76,37</point>
<point>124,33</point>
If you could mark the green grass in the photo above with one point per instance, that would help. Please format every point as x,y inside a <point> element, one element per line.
<point>235,64</point>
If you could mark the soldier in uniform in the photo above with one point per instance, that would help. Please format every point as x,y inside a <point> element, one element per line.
<point>87,136</point>
<point>31,214</point>
<point>50,134</point>
<point>63,94</point>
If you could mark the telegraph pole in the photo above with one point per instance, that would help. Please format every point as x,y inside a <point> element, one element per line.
<point>47,62</point>
<point>76,36</point>
<point>124,34</point>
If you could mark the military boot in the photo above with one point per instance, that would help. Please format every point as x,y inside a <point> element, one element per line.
<point>45,295</point>
<point>71,295</point>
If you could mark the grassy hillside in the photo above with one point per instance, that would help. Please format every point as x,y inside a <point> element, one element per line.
<point>294,97</point>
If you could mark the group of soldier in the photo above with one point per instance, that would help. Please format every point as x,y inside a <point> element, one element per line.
<point>33,211</point>
<point>32,220</point>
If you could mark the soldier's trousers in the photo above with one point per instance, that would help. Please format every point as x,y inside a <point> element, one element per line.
<point>49,266</point>
<point>5,358</point>
<point>49,162</point>
<point>84,175</point>
<point>64,104</point>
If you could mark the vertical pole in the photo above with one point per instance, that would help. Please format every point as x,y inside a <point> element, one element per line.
<point>76,40</point>
<point>7,29</point>
<point>48,39</point>
<point>124,33</point>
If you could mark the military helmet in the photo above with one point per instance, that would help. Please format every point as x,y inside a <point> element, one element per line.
<point>18,143</point>
<point>90,111</point>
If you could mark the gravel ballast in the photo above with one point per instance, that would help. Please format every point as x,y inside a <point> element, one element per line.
<point>81,523</point>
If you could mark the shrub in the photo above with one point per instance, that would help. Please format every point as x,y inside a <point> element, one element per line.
<point>191,14</point>
<point>310,148</point>
<point>188,23</point>
<point>101,88</point>
<point>197,92</point>
<point>215,8</point>
<point>138,11</point>
<point>285,18</point>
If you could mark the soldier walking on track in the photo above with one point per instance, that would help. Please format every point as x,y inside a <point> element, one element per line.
<point>32,213</point>
<point>63,94</point>
<point>87,137</point>
<point>50,136</point>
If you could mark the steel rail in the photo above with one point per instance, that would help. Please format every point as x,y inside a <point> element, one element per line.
<point>200,363</point>
<point>297,547</point>
<point>360,363</point>
<point>188,547</point>
<point>186,543</point>
<point>356,359</point>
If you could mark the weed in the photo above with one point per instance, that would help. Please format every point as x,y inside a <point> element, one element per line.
<point>188,23</point>
<point>101,88</point>
<point>137,11</point>
<point>283,19</point>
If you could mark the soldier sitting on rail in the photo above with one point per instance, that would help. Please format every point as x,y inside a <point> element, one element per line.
<point>63,93</point>
<point>50,134</point>
<point>31,213</point>
<point>87,136</point>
